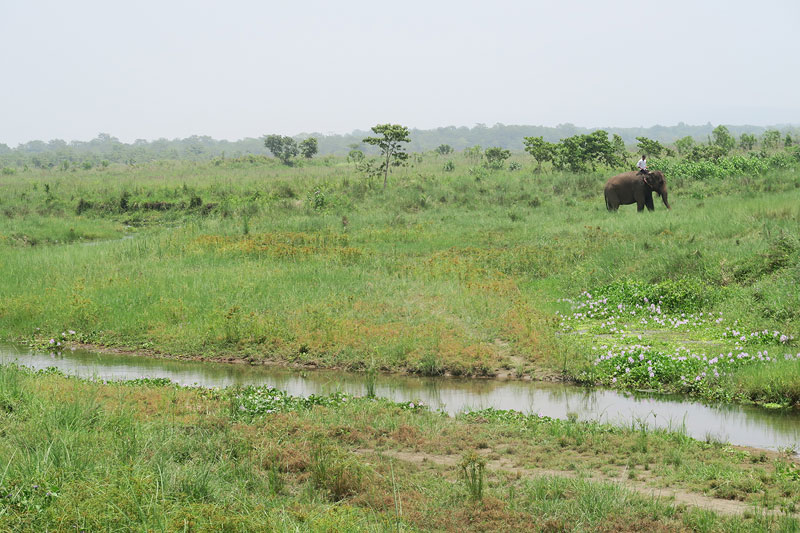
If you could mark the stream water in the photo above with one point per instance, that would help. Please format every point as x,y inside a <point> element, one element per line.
<point>741,425</point>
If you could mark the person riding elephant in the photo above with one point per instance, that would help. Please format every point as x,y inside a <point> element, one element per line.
<point>634,187</point>
<point>642,164</point>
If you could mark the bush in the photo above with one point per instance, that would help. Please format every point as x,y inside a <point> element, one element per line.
<point>82,206</point>
<point>496,156</point>
<point>724,167</point>
<point>124,201</point>
<point>316,199</point>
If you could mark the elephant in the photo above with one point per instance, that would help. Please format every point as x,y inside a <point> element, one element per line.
<point>630,187</point>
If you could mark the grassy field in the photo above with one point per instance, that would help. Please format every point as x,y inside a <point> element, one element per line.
<point>464,272</point>
<point>468,272</point>
<point>88,456</point>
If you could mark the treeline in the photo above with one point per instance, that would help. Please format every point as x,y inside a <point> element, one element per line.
<point>106,149</point>
<point>722,154</point>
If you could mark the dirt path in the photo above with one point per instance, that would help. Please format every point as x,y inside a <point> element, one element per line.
<point>688,498</point>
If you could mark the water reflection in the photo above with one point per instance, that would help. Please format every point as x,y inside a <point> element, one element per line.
<point>737,424</point>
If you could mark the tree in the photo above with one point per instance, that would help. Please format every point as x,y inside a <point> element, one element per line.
<point>444,149</point>
<point>474,153</point>
<point>723,138</point>
<point>649,146</point>
<point>540,150</point>
<point>598,149</point>
<point>747,141</point>
<point>576,153</point>
<point>705,152</point>
<point>569,154</point>
<point>618,145</point>
<point>309,147</point>
<point>771,139</point>
<point>496,156</point>
<point>684,145</point>
<point>282,147</point>
<point>788,141</point>
<point>390,144</point>
<point>354,156</point>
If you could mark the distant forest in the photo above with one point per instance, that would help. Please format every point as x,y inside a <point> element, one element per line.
<point>108,149</point>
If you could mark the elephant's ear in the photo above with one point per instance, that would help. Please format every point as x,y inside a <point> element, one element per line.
<point>651,181</point>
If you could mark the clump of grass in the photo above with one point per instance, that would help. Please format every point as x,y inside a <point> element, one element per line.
<point>370,381</point>
<point>471,470</point>
<point>337,474</point>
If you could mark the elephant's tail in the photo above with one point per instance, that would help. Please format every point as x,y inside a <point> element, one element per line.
<point>608,205</point>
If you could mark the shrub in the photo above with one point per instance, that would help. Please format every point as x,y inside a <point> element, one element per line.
<point>496,156</point>
<point>82,206</point>
<point>316,199</point>
<point>124,201</point>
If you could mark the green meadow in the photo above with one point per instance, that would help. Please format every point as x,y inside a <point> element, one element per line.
<point>466,272</point>
<point>454,269</point>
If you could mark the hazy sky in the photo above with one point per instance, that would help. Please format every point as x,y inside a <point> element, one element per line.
<point>235,69</point>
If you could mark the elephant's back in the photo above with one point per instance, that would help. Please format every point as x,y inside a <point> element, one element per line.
<point>620,179</point>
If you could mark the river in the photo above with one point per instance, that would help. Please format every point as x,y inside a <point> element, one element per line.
<point>737,424</point>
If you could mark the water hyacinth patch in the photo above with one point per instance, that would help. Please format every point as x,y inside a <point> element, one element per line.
<point>505,415</point>
<point>757,337</point>
<point>263,400</point>
<point>622,308</point>
<point>254,400</point>
<point>54,343</point>
<point>680,371</point>
<point>536,421</point>
<point>668,297</point>
<point>651,342</point>
<point>620,317</point>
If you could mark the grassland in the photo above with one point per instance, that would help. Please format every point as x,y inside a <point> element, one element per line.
<point>469,272</point>
<point>82,455</point>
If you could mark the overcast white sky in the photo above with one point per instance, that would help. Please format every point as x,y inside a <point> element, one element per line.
<point>235,69</point>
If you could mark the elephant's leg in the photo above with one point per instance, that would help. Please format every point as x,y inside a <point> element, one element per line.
<point>639,196</point>
<point>648,201</point>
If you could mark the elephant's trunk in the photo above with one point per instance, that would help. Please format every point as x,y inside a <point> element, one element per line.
<point>663,194</point>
